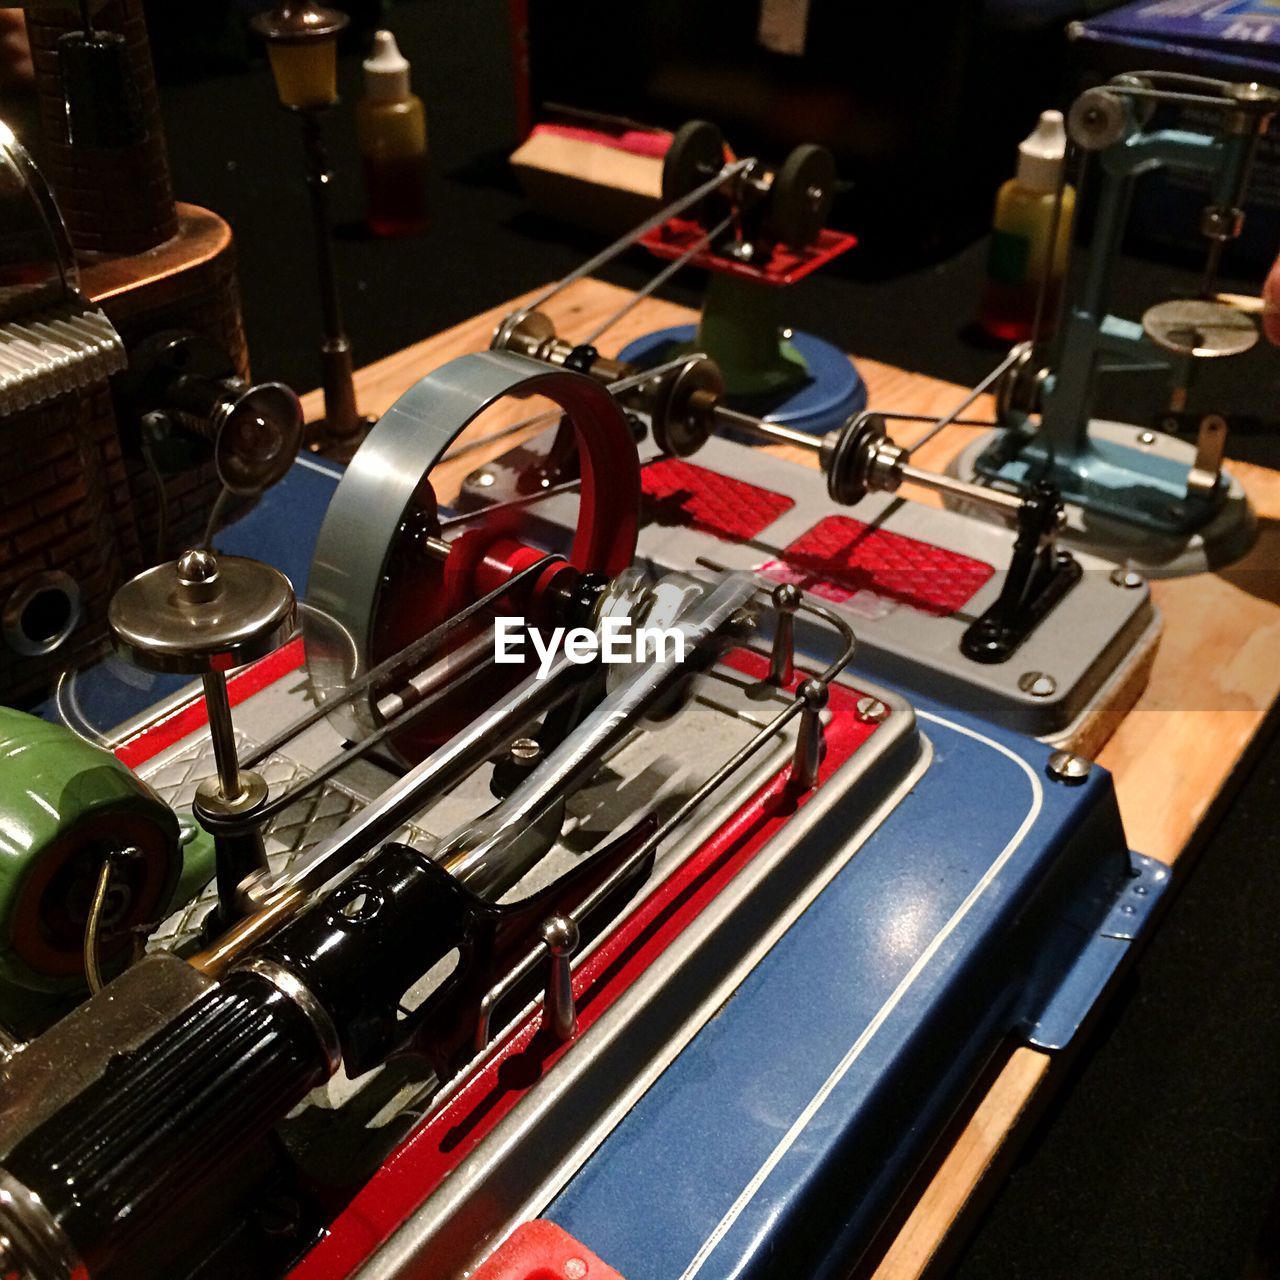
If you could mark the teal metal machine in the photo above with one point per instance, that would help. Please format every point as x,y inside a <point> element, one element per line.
<point>1159,503</point>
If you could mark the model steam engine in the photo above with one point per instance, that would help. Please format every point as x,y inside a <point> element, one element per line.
<point>379,943</point>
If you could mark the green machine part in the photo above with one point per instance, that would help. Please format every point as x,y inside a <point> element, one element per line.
<point>65,806</point>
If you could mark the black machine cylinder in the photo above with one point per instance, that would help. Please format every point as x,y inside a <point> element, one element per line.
<point>163,1125</point>
<point>163,1122</point>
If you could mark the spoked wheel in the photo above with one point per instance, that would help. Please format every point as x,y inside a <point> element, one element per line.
<point>382,577</point>
<point>801,197</point>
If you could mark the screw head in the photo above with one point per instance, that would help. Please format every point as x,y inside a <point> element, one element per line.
<point>1037,684</point>
<point>872,711</point>
<point>1127,578</point>
<point>1068,768</point>
<point>1146,437</point>
<point>526,751</point>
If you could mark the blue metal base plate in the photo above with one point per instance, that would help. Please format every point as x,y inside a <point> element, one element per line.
<point>834,392</point>
<point>775,1144</point>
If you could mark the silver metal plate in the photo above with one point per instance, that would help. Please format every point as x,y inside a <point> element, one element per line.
<point>1079,648</point>
<point>1197,327</point>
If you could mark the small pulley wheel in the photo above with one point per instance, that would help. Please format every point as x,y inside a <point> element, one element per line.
<point>1098,119</point>
<point>801,196</point>
<point>525,332</point>
<point>1141,106</point>
<point>682,415</point>
<point>380,579</point>
<point>695,155</point>
<point>1019,389</point>
<point>849,465</point>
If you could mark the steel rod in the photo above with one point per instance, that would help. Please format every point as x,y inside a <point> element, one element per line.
<point>442,769</point>
<point>940,483</point>
<point>222,734</point>
<point>980,390</point>
<point>623,243</point>
<point>659,280</point>
<point>763,429</point>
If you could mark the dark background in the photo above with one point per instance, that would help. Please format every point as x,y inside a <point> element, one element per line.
<point>1160,1157</point>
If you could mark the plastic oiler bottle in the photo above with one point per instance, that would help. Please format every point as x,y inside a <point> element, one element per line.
<point>391,127</point>
<point>1020,256</point>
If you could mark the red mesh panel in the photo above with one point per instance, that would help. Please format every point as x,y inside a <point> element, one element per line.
<point>840,557</point>
<point>681,493</point>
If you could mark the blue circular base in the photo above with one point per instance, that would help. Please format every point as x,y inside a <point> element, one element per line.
<point>833,393</point>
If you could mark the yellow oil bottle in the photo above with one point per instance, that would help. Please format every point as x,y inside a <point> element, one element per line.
<point>391,128</point>
<point>1020,256</point>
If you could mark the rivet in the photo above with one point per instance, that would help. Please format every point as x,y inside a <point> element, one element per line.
<point>1146,437</point>
<point>1128,909</point>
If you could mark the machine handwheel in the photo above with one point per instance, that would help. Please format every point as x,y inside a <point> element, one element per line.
<point>801,197</point>
<point>378,581</point>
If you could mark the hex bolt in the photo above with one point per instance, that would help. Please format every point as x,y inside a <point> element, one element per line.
<point>560,934</point>
<point>786,600</point>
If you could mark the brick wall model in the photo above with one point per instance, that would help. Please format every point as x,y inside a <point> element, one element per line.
<point>65,504</point>
<point>76,494</point>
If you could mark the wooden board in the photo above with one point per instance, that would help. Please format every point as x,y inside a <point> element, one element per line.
<point>1212,689</point>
